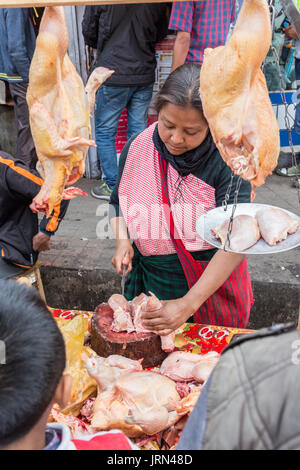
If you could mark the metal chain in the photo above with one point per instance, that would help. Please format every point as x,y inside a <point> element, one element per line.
<point>235,202</point>
<point>227,195</point>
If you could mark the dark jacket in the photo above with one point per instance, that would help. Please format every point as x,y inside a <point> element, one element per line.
<point>130,50</point>
<point>18,224</point>
<point>17,43</point>
<point>251,400</point>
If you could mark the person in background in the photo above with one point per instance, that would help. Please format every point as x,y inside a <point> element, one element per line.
<point>125,38</point>
<point>292,169</point>
<point>32,379</point>
<point>18,31</point>
<point>21,235</point>
<point>251,399</point>
<point>199,25</point>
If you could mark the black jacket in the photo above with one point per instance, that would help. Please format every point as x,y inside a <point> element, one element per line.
<point>18,224</point>
<point>251,399</point>
<point>126,46</point>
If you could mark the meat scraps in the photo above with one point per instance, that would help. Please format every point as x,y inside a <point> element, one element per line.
<point>275,225</point>
<point>136,401</point>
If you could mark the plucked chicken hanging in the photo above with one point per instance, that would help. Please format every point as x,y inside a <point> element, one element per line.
<point>235,97</point>
<point>59,109</point>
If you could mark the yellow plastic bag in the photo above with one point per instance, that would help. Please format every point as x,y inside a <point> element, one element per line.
<point>83,386</point>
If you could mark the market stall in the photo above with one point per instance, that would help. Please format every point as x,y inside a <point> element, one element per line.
<point>125,376</point>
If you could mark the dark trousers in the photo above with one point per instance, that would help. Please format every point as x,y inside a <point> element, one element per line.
<point>297,116</point>
<point>25,146</point>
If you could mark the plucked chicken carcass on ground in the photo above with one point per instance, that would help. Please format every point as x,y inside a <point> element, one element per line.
<point>59,109</point>
<point>136,401</point>
<point>244,234</point>
<point>235,97</point>
<point>275,225</point>
<point>127,316</point>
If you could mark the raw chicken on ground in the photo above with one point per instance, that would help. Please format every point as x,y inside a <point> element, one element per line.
<point>137,402</point>
<point>237,104</point>
<point>127,316</point>
<point>59,109</point>
<point>275,225</point>
<point>184,366</point>
<point>244,234</point>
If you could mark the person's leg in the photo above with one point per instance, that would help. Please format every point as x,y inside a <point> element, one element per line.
<point>297,115</point>
<point>25,145</point>
<point>137,109</point>
<point>110,102</point>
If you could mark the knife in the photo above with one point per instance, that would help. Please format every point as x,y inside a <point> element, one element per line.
<point>123,280</point>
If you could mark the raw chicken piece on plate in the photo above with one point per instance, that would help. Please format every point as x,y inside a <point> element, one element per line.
<point>244,234</point>
<point>275,225</point>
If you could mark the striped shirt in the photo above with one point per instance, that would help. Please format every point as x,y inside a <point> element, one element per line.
<point>207,21</point>
<point>139,196</point>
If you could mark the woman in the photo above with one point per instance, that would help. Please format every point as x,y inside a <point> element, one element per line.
<point>175,162</point>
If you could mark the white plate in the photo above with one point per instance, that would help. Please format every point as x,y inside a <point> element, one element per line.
<point>217,216</point>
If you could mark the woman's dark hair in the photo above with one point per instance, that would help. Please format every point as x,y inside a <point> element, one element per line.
<point>32,359</point>
<point>181,88</point>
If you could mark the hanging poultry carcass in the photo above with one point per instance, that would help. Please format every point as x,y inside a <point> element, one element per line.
<point>59,109</point>
<point>244,234</point>
<point>235,97</point>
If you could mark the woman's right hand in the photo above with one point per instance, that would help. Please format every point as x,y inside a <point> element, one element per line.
<point>123,255</point>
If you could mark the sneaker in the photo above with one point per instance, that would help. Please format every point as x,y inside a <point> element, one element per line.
<point>101,191</point>
<point>292,171</point>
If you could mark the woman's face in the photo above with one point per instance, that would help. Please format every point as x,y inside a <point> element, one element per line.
<point>181,129</point>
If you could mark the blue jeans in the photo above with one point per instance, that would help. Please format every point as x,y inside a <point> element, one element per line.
<point>110,102</point>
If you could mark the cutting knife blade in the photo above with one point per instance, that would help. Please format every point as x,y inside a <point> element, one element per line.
<point>123,280</point>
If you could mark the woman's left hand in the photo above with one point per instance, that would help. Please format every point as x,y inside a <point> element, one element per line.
<point>168,318</point>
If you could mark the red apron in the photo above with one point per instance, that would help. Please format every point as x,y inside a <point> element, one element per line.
<point>230,305</point>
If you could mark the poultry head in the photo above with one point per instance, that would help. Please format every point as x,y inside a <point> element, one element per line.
<point>244,234</point>
<point>127,316</point>
<point>59,109</point>
<point>235,97</point>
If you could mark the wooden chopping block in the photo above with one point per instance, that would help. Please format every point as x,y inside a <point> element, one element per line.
<point>104,341</point>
